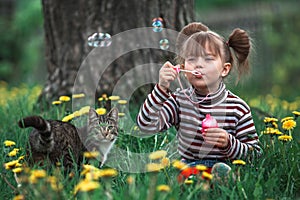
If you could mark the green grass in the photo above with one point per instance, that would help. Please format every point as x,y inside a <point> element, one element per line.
<point>275,175</point>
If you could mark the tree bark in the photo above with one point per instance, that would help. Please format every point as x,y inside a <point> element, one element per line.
<point>69,23</point>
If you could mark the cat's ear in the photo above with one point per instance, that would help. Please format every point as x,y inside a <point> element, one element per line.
<point>92,115</point>
<point>114,113</point>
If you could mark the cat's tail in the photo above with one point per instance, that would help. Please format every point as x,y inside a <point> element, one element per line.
<point>36,122</point>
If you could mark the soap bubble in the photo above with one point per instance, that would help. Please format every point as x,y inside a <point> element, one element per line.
<point>157,24</point>
<point>164,44</point>
<point>99,40</point>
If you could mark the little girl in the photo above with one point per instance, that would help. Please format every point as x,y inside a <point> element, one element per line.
<point>210,59</point>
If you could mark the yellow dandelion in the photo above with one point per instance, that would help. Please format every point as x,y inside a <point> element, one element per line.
<point>86,186</point>
<point>271,131</point>
<point>64,98</point>
<point>239,162</point>
<point>154,167</point>
<point>56,102</point>
<point>84,110</point>
<point>289,124</point>
<point>179,165</point>
<point>14,152</point>
<point>104,96</point>
<point>19,197</point>
<point>296,113</point>
<point>9,143</point>
<point>163,188</point>
<point>201,167</point>
<point>100,99</point>
<point>165,162</point>
<point>157,155</point>
<point>21,158</point>
<point>207,175</point>
<point>188,182</point>
<point>76,113</point>
<point>11,164</point>
<point>101,111</point>
<point>285,138</point>
<point>287,118</point>
<point>77,96</point>
<point>121,114</point>
<point>88,168</point>
<point>39,173</point>
<point>108,173</point>
<point>270,119</point>
<point>91,154</point>
<point>114,98</point>
<point>68,118</point>
<point>130,180</point>
<point>17,170</point>
<point>122,102</point>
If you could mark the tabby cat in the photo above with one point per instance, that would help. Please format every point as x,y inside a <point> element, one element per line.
<point>56,141</point>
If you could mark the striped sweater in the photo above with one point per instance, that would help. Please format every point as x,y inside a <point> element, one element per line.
<point>161,110</point>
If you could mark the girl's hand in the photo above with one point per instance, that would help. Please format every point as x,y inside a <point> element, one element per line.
<point>217,137</point>
<point>167,74</point>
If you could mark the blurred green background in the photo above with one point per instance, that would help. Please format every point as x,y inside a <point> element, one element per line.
<point>273,25</point>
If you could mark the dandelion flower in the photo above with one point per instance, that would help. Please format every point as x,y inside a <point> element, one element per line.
<point>285,138</point>
<point>165,162</point>
<point>122,102</point>
<point>239,162</point>
<point>17,170</point>
<point>270,119</point>
<point>108,173</point>
<point>289,124</point>
<point>77,96</point>
<point>296,113</point>
<point>101,111</point>
<point>84,110</point>
<point>121,114</point>
<point>154,167</point>
<point>39,173</point>
<point>68,118</point>
<point>86,186</point>
<point>91,154</point>
<point>163,188</point>
<point>114,98</point>
<point>13,152</point>
<point>207,175</point>
<point>11,164</point>
<point>64,98</point>
<point>201,167</point>
<point>179,165</point>
<point>19,197</point>
<point>188,182</point>
<point>56,102</point>
<point>157,155</point>
<point>287,118</point>
<point>130,180</point>
<point>9,143</point>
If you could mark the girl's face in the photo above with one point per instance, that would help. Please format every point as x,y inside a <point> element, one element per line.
<point>212,68</point>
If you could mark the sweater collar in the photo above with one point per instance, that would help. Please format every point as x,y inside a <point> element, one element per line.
<point>212,99</point>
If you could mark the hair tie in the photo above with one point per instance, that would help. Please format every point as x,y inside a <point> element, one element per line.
<point>227,43</point>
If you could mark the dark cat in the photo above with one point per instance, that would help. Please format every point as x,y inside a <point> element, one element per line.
<point>54,140</point>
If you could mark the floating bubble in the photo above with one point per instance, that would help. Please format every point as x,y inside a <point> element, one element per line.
<point>157,24</point>
<point>164,44</point>
<point>99,40</point>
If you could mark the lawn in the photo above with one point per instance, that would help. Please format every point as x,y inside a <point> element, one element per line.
<point>274,175</point>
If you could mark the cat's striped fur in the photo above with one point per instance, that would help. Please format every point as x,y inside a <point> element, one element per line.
<point>56,141</point>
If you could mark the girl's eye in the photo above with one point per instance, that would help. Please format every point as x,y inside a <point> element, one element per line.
<point>191,59</point>
<point>209,58</point>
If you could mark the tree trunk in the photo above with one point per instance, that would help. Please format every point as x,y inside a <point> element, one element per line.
<point>69,23</point>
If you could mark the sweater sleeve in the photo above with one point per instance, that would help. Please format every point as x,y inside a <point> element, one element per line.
<point>245,143</point>
<point>158,112</point>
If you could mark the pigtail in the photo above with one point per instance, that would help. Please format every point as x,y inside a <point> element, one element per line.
<point>240,44</point>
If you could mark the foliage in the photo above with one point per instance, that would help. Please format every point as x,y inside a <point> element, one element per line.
<point>275,175</point>
<point>21,41</point>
